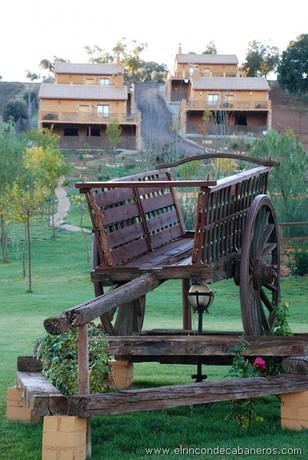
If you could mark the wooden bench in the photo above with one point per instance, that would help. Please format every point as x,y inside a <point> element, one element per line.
<point>138,225</point>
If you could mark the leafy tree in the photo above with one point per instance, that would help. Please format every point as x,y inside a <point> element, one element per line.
<point>293,67</point>
<point>21,204</point>
<point>261,59</point>
<point>15,109</point>
<point>288,182</point>
<point>48,165</point>
<point>99,55</point>
<point>12,146</point>
<point>135,69</point>
<point>46,64</point>
<point>210,48</point>
<point>32,76</point>
<point>114,132</point>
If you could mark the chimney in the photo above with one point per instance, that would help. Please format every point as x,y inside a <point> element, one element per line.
<point>180,48</point>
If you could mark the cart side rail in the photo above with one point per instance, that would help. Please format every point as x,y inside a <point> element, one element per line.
<point>221,214</point>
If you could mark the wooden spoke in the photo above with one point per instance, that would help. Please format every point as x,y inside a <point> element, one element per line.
<point>260,268</point>
<point>124,320</point>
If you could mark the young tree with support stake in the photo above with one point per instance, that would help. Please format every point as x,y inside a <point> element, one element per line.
<point>114,132</point>
<point>21,205</point>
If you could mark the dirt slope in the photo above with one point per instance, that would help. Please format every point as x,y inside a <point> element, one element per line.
<point>289,112</point>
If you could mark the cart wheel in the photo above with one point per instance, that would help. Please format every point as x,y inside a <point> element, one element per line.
<point>124,320</point>
<point>260,268</point>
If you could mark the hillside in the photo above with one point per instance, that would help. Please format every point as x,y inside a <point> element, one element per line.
<point>287,112</point>
<point>12,90</point>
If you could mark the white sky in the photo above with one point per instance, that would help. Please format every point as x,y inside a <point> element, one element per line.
<point>33,30</point>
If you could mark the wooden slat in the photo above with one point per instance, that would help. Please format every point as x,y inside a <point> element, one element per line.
<point>218,345</point>
<point>126,235</point>
<point>183,395</point>
<point>109,197</point>
<point>124,254</point>
<point>120,213</point>
<point>159,184</point>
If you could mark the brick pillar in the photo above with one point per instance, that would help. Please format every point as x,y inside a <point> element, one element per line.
<point>294,406</point>
<point>294,410</point>
<point>64,438</point>
<point>122,374</point>
<point>16,410</point>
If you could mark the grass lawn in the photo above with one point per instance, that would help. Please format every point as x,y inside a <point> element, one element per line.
<point>61,280</point>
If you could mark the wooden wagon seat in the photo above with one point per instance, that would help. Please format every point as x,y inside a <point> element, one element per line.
<point>138,223</point>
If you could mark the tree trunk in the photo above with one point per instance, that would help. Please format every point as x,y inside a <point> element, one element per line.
<point>5,257</point>
<point>29,255</point>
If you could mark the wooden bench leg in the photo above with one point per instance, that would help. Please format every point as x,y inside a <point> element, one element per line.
<point>64,437</point>
<point>294,410</point>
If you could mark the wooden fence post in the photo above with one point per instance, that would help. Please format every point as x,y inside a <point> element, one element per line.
<point>83,374</point>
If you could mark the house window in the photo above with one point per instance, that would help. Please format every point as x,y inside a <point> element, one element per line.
<point>227,101</point>
<point>93,132</point>
<point>103,111</point>
<point>104,81</point>
<point>89,81</point>
<point>70,132</point>
<point>212,99</point>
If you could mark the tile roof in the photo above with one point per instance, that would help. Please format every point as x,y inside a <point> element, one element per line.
<point>79,92</point>
<point>88,69</point>
<point>230,83</point>
<point>193,58</point>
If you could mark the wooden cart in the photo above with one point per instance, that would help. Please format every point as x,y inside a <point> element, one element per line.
<point>138,229</point>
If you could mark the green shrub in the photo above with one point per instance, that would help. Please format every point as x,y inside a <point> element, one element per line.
<point>298,259</point>
<point>59,356</point>
<point>15,109</point>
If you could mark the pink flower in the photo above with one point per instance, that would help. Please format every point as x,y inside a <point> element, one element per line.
<point>260,363</point>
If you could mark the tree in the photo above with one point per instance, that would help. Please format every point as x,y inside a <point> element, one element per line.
<point>210,48</point>
<point>114,132</point>
<point>48,165</point>
<point>293,67</point>
<point>21,205</point>
<point>129,54</point>
<point>46,64</point>
<point>12,146</point>
<point>32,76</point>
<point>261,59</point>
<point>15,109</point>
<point>288,182</point>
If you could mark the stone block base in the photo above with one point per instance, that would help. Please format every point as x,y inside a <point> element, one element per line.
<point>294,410</point>
<point>122,374</point>
<point>16,410</point>
<point>64,438</point>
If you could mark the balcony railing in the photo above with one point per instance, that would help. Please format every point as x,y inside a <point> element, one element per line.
<point>235,105</point>
<point>81,117</point>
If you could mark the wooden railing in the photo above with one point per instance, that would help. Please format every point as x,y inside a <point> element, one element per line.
<point>80,117</point>
<point>235,105</point>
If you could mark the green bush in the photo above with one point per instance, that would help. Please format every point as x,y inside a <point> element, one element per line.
<point>298,259</point>
<point>15,109</point>
<point>59,356</point>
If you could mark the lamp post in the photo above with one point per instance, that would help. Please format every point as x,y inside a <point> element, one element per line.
<point>200,298</point>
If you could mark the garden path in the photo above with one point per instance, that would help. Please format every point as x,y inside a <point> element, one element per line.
<point>63,208</point>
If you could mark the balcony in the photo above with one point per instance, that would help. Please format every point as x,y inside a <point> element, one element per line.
<point>85,118</point>
<point>234,105</point>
